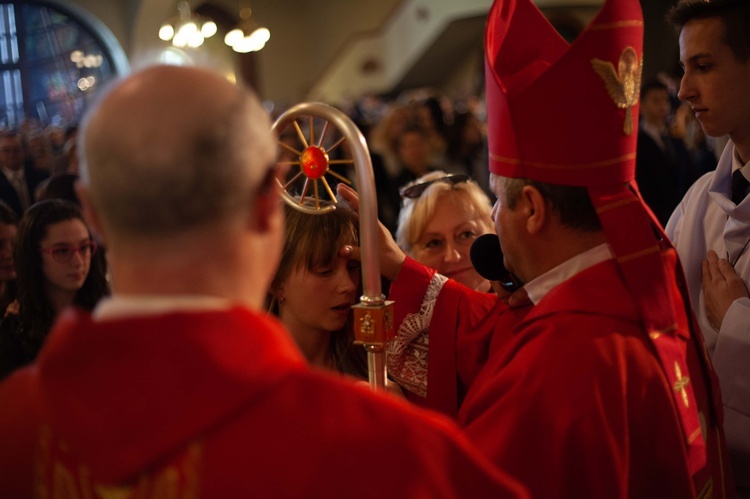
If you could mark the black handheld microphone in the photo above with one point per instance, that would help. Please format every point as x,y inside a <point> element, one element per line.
<point>487,259</point>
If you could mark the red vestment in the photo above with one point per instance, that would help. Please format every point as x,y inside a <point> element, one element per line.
<point>216,404</point>
<point>569,396</point>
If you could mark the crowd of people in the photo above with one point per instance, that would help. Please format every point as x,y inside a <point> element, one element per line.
<point>171,328</point>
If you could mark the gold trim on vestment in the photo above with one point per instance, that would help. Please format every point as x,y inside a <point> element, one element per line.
<point>616,204</point>
<point>654,335</point>
<point>638,254</point>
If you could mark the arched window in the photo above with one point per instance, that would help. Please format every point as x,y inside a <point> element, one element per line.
<point>51,63</point>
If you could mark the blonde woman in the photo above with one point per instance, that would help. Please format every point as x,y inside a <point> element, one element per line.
<point>442,215</point>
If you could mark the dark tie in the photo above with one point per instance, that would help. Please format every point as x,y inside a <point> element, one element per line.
<point>739,186</point>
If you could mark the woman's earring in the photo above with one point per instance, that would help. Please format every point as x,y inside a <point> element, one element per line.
<point>281,299</point>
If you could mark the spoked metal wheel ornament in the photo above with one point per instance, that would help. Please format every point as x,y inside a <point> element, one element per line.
<point>310,165</point>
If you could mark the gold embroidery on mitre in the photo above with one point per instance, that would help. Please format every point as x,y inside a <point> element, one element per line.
<point>615,25</point>
<point>681,384</point>
<point>623,84</point>
<point>563,166</point>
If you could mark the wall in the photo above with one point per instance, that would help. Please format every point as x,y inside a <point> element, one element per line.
<point>310,38</point>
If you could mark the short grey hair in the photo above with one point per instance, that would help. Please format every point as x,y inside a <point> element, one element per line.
<point>208,174</point>
<point>572,204</point>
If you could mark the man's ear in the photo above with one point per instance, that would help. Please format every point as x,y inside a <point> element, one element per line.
<point>89,212</point>
<point>267,206</point>
<point>536,208</point>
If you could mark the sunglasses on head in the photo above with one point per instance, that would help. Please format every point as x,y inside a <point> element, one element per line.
<point>415,190</point>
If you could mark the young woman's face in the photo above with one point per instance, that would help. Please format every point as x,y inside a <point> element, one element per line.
<point>318,300</point>
<point>66,255</point>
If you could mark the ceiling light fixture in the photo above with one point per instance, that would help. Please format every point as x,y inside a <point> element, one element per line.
<point>248,36</point>
<point>187,29</point>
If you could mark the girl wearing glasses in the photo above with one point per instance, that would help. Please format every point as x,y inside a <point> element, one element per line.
<point>53,263</point>
<point>314,288</point>
<point>442,215</point>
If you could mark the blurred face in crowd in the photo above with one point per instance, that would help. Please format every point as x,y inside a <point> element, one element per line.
<point>447,238</point>
<point>715,82</point>
<point>7,240</point>
<point>66,255</point>
<point>412,150</point>
<point>655,106</point>
<point>11,153</point>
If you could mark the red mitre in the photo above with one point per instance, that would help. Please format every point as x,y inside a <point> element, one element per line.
<point>558,113</point>
<point>568,115</point>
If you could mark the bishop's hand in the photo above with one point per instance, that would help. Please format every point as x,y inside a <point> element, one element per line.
<point>391,256</point>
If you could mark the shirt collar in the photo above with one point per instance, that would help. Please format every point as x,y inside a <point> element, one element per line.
<point>13,174</point>
<point>654,132</point>
<point>118,307</point>
<point>737,165</point>
<point>539,287</point>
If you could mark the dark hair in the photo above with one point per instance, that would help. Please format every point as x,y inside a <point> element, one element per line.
<point>408,129</point>
<point>35,310</point>
<point>7,215</point>
<point>60,186</point>
<point>458,149</point>
<point>652,84</point>
<point>572,204</point>
<point>436,112</point>
<point>734,14</point>
<point>312,241</point>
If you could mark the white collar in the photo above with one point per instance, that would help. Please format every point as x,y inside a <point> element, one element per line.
<point>737,165</point>
<point>537,288</point>
<point>653,131</point>
<point>118,307</point>
<point>13,174</point>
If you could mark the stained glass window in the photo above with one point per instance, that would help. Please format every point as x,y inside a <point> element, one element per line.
<point>50,64</point>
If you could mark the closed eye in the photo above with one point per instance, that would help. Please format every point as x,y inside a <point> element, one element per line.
<point>353,266</point>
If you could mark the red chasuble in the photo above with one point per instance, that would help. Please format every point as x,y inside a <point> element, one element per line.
<point>569,395</point>
<point>216,404</point>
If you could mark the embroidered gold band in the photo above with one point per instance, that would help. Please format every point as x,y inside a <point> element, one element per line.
<point>581,166</point>
<point>619,24</point>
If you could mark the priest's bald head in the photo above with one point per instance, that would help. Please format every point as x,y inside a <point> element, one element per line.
<point>176,175</point>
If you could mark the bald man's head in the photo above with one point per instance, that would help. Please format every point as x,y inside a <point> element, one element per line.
<point>171,149</point>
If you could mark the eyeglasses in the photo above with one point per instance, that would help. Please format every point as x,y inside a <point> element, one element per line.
<point>415,190</point>
<point>63,253</point>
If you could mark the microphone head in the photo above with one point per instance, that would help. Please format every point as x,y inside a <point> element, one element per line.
<point>487,259</point>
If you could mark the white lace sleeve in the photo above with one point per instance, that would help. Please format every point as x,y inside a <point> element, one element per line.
<point>407,353</point>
